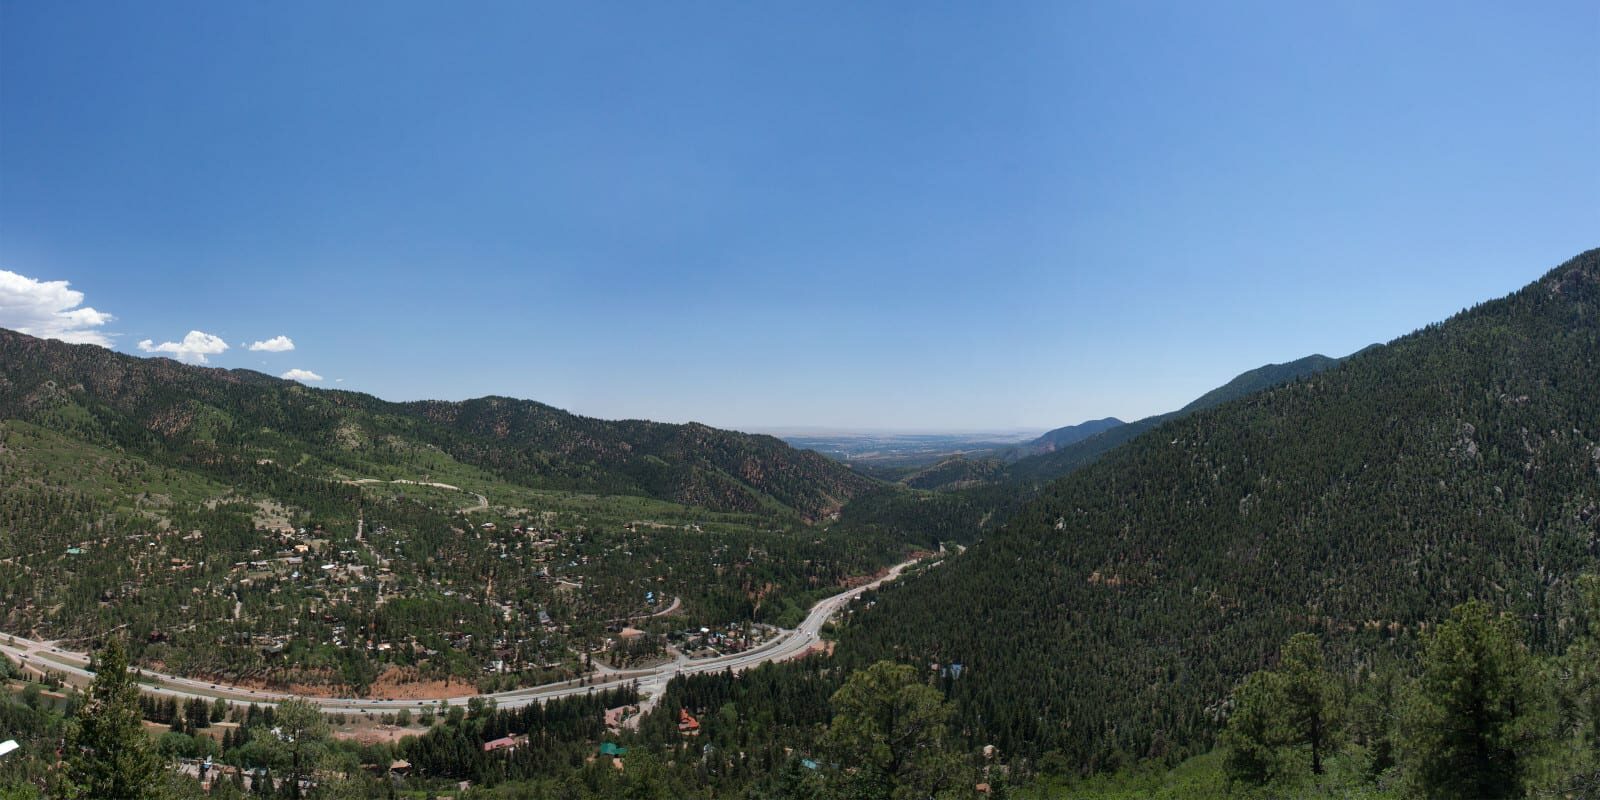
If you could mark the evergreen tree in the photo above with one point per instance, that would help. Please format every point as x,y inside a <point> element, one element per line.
<point>109,757</point>
<point>1273,711</point>
<point>1310,697</point>
<point>1373,711</point>
<point>887,737</point>
<point>1577,695</point>
<point>1254,733</point>
<point>295,740</point>
<point>180,720</point>
<point>197,715</point>
<point>1473,725</point>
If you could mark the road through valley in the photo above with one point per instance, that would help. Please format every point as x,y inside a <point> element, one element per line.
<point>50,656</point>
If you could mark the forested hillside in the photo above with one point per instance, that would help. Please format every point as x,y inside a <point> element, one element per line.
<point>955,472</point>
<point>224,422</point>
<point>967,495</point>
<point>1071,434</point>
<point>1077,452</point>
<point>1111,617</point>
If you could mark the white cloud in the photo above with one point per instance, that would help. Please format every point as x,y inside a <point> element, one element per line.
<point>194,347</point>
<point>300,375</point>
<point>277,344</point>
<point>49,309</point>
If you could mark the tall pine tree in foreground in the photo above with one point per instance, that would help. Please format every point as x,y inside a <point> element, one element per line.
<point>109,757</point>
<point>1477,720</point>
<point>296,741</point>
<point>1277,713</point>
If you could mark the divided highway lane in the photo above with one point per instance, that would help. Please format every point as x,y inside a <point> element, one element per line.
<point>652,681</point>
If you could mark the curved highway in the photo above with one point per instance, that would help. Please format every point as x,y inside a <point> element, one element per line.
<point>46,656</point>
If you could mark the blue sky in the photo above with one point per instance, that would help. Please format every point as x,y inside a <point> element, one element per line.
<point>866,215</point>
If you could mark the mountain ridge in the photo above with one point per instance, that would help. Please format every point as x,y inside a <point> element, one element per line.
<point>1062,460</point>
<point>1071,434</point>
<point>141,403</point>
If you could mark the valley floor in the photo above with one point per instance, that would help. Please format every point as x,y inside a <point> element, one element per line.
<point>49,656</point>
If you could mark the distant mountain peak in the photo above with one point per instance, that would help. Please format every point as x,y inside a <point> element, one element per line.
<point>1071,434</point>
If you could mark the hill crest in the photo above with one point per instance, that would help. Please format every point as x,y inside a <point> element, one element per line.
<point>159,406</point>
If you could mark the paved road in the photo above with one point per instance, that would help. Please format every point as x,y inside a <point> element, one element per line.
<point>41,655</point>
<point>483,502</point>
<point>676,602</point>
<point>788,644</point>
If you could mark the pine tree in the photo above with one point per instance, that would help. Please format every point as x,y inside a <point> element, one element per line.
<point>887,736</point>
<point>295,740</point>
<point>1254,734</point>
<point>1474,724</point>
<point>197,714</point>
<point>1274,711</point>
<point>109,755</point>
<point>1310,697</point>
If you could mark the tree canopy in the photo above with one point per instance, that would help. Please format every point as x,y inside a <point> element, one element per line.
<point>109,756</point>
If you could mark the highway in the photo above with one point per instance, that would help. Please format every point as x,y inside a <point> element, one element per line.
<point>40,655</point>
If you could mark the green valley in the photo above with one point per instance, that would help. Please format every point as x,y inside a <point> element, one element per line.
<point>1279,591</point>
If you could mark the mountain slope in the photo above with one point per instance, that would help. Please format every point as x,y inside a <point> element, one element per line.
<point>974,494</point>
<point>954,472</point>
<point>221,421</point>
<point>1248,383</point>
<point>1069,456</point>
<point>1460,461</point>
<point>1054,440</point>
